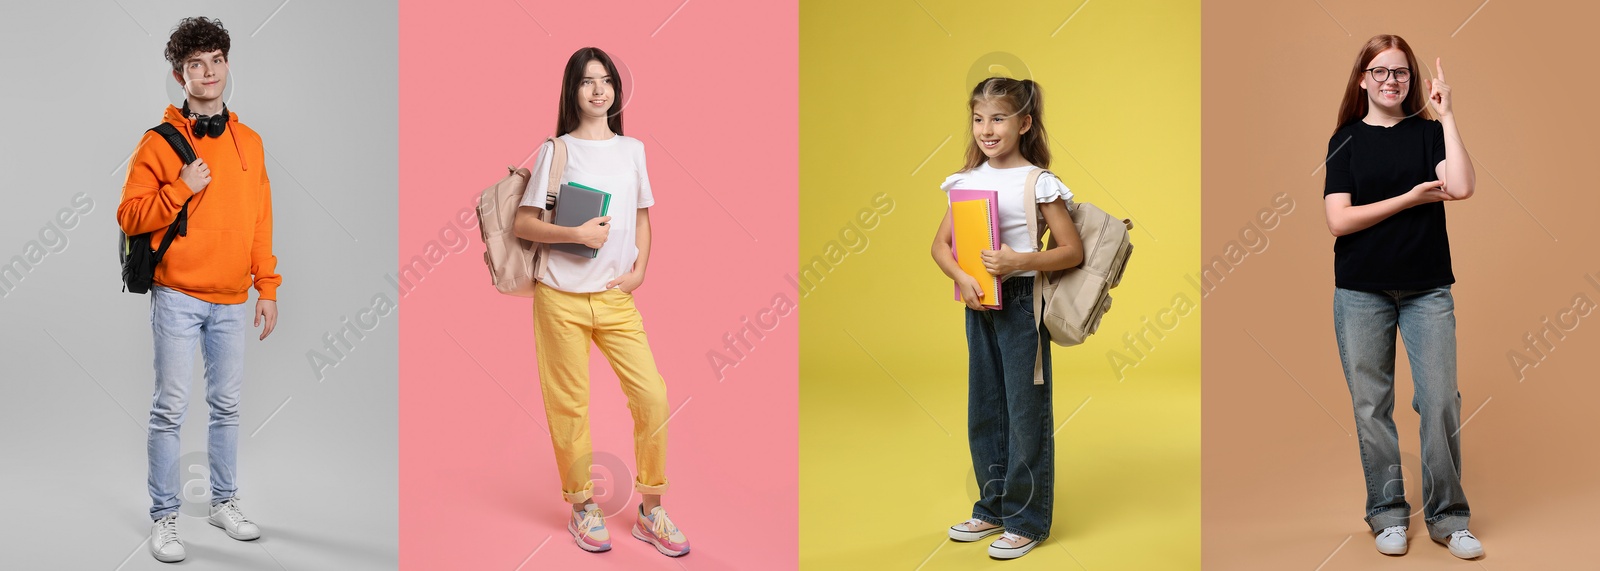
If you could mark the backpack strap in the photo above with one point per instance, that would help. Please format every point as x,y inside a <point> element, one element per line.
<point>558,163</point>
<point>175,139</point>
<point>180,226</point>
<point>1030,196</point>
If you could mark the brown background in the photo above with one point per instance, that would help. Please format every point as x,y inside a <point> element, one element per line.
<point>1281,472</point>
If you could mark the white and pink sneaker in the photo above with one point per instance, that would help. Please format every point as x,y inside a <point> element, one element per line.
<point>588,529</point>
<point>1011,546</point>
<point>974,529</point>
<point>656,529</point>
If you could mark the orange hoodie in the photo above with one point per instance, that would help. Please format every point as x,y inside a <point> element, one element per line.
<point>230,222</point>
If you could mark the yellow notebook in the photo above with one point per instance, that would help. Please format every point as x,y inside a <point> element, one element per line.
<point>974,232</point>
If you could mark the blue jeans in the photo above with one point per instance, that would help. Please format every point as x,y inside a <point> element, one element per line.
<point>178,323</point>
<point>1365,324</point>
<point>1009,424</point>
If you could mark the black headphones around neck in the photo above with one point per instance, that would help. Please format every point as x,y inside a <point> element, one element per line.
<point>208,125</point>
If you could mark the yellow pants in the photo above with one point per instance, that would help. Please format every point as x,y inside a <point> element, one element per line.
<point>563,325</point>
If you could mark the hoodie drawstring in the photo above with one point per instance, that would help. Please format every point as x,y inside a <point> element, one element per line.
<point>243,163</point>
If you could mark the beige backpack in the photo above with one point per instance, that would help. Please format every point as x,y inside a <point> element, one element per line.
<point>515,264</point>
<point>1071,302</point>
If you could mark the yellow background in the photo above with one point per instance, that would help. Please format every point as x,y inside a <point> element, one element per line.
<point>884,467</point>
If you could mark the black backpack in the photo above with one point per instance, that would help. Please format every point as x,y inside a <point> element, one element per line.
<point>138,261</point>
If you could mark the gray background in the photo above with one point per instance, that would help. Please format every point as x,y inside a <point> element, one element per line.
<point>317,459</point>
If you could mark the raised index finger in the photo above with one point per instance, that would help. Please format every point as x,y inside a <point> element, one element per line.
<point>1438,66</point>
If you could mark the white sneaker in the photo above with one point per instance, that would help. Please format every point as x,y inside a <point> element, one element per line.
<point>227,516</point>
<point>1011,546</point>
<point>588,529</point>
<point>973,529</point>
<point>1462,544</point>
<point>1392,540</point>
<point>164,542</point>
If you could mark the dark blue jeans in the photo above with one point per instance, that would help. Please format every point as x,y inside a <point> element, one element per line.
<point>1009,422</point>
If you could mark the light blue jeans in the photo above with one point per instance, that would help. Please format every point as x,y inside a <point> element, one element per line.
<point>1365,323</point>
<point>179,323</point>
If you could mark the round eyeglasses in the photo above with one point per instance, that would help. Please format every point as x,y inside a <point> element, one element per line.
<point>1381,74</point>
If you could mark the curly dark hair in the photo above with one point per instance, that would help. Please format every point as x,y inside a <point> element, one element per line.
<point>194,35</point>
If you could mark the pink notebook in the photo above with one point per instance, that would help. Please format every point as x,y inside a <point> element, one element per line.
<point>993,198</point>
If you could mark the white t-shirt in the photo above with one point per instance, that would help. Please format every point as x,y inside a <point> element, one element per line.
<point>616,166</point>
<point>1008,184</point>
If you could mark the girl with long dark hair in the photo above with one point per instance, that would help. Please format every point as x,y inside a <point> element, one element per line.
<point>582,300</point>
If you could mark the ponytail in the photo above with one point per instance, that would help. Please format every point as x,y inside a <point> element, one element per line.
<point>1035,144</point>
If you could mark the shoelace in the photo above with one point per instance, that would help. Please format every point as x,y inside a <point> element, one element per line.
<point>1463,534</point>
<point>974,524</point>
<point>1012,538</point>
<point>591,519</point>
<point>1392,530</point>
<point>660,525</point>
<point>233,513</point>
<point>167,530</point>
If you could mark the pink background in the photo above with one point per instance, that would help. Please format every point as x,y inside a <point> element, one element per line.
<point>714,88</point>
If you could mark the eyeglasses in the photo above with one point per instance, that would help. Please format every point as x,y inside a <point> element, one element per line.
<point>1381,74</point>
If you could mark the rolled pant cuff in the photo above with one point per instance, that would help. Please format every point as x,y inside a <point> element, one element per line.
<point>577,497</point>
<point>988,520</point>
<point>1441,527</point>
<point>1032,536</point>
<point>1389,518</point>
<point>655,490</point>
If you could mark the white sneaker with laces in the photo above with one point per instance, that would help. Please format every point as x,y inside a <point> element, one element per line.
<point>164,542</point>
<point>588,529</point>
<point>973,529</point>
<point>1011,546</point>
<point>1392,540</point>
<point>656,529</point>
<point>1464,545</point>
<point>227,516</point>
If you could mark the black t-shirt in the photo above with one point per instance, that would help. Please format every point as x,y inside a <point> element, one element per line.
<point>1407,251</point>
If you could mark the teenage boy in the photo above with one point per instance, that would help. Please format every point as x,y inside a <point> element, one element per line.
<point>202,284</point>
